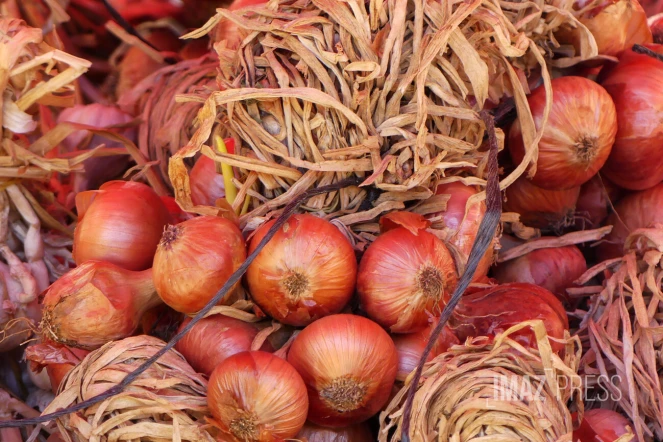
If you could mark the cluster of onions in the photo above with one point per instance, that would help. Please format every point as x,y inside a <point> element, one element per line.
<point>578,135</point>
<point>406,275</point>
<point>600,425</point>
<point>256,396</point>
<point>354,433</point>
<point>635,161</point>
<point>194,259</point>
<point>308,270</point>
<point>597,196</point>
<point>541,208</point>
<point>214,339</point>
<point>95,303</point>
<point>410,347</point>
<point>349,366</point>
<point>120,223</point>
<point>615,24</point>
<point>554,269</point>
<point>494,310</point>
<point>634,211</point>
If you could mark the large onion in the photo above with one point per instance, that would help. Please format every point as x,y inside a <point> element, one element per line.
<point>349,365</point>
<point>578,135</point>
<point>636,160</point>
<point>308,270</point>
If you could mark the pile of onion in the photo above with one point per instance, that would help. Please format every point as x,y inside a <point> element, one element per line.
<point>493,311</point>
<point>406,275</point>
<point>578,135</point>
<point>348,364</point>
<point>600,425</point>
<point>120,223</point>
<point>214,339</point>
<point>95,303</point>
<point>541,208</point>
<point>308,270</point>
<point>256,396</point>
<point>410,347</point>
<point>634,211</point>
<point>194,259</point>
<point>636,162</point>
<point>554,269</point>
<point>355,433</point>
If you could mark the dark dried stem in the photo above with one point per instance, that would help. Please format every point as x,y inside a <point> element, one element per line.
<point>483,240</point>
<point>288,211</point>
<point>639,49</point>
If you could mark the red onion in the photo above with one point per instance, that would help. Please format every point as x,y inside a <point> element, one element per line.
<point>410,347</point>
<point>601,425</point>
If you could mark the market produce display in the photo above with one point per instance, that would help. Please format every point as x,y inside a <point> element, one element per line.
<point>323,220</point>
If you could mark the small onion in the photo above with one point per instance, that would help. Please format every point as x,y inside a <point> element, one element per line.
<point>349,366</point>
<point>58,360</point>
<point>554,269</point>
<point>405,277</point>
<point>616,25</point>
<point>493,311</point>
<point>541,208</point>
<point>597,196</point>
<point>194,259</point>
<point>656,26</point>
<point>634,211</point>
<point>256,396</point>
<point>95,303</point>
<point>308,270</point>
<point>120,223</point>
<point>636,162</point>
<point>410,347</point>
<point>206,184</point>
<point>214,339</point>
<point>355,433</point>
<point>601,425</point>
<point>578,136</point>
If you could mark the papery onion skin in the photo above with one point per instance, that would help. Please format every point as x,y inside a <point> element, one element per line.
<point>636,159</point>
<point>601,425</point>
<point>120,223</point>
<point>578,135</point>
<point>256,396</point>
<point>214,339</point>
<point>194,259</point>
<point>493,311</point>
<point>349,365</point>
<point>206,184</point>
<point>404,279</point>
<point>541,208</point>
<point>553,268</point>
<point>410,347</point>
<point>308,270</point>
<point>355,433</point>
<point>229,31</point>
<point>95,303</point>
<point>57,359</point>
<point>634,211</point>
<point>616,25</point>
<point>595,202</point>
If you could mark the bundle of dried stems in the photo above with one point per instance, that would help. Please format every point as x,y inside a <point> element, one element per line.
<point>492,391</point>
<point>166,402</point>
<point>622,333</point>
<point>388,90</point>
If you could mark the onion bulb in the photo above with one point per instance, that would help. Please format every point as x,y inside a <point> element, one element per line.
<point>405,277</point>
<point>615,24</point>
<point>493,311</point>
<point>656,26</point>
<point>120,223</point>
<point>95,303</point>
<point>600,425</point>
<point>541,208</point>
<point>635,211</point>
<point>636,162</point>
<point>256,396</point>
<point>58,360</point>
<point>194,259</point>
<point>578,135</point>
<point>410,347</point>
<point>214,339</point>
<point>349,365</point>
<point>354,433</point>
<point>308,270</point>
<point>597,196</point>
<point>206,184</point>
<point>554,269</point>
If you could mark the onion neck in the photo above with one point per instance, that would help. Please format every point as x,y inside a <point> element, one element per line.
<point>145,294</point>
<point>430,282</point>
<point>244,427</point>
<point>586,148</point>
<point>296,285</point>
<point>344,394</point>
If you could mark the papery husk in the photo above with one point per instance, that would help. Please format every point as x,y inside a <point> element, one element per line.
<point>387,90</point>
<point>492,390</point>
<point>167,402</point>
<point>622,330</point>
